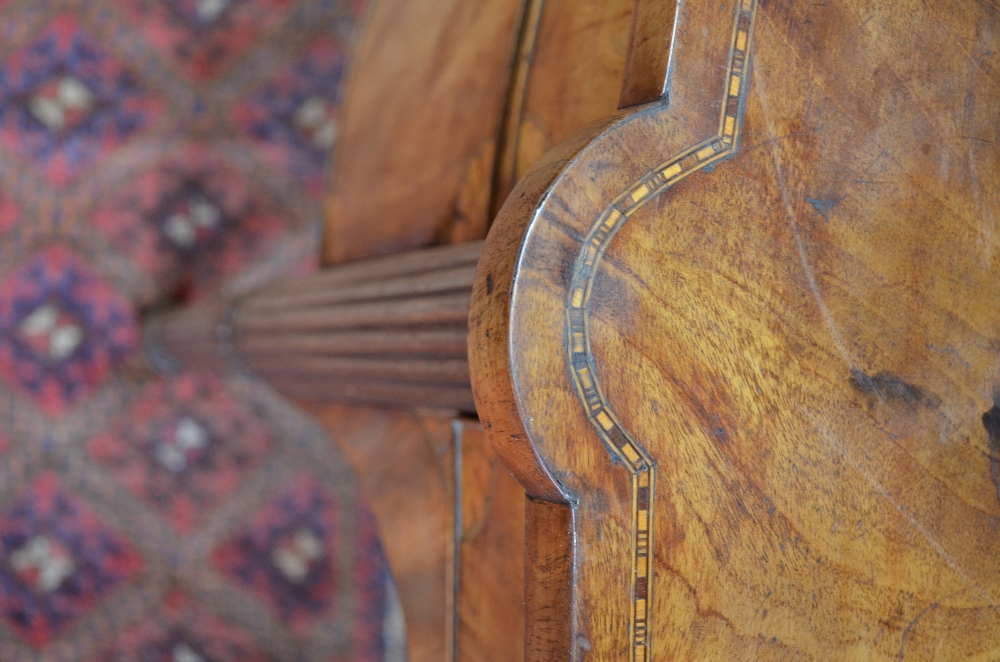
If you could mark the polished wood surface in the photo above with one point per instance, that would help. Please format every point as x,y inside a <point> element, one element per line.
<point>548,586</point>
<point>490,514</point>
<point>422,113</point>
<point>569,74</point>
<point>749,332</point>
<point>645,76</point>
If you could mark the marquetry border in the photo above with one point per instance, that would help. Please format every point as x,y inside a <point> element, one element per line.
<point>620,442</point>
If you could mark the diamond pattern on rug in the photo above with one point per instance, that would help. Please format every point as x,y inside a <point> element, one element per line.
<point>192,217</point>
<point>184,447</point>
<point>62,330</point>
<point>184,631</point>
<point>10,214</point>
<point>294,117</point>
<point>65,103</point>
<point>203,37</point>
<point>57,561</point>
<point>284,555</point>
<point>164,519</point>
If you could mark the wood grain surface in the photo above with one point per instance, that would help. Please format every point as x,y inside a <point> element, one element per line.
<point>569,74</point>
<point>422,112</point>
<point>548,581</point>
<point>645,76</point>
<point>490,512</point>
<point>794,335</point>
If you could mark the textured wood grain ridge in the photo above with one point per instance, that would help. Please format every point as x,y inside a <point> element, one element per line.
<point>389,331</point>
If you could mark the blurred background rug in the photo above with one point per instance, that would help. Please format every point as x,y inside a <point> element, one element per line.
<point>155,152</point>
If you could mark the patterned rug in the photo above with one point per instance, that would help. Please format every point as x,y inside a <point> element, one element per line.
<point>155,152</point>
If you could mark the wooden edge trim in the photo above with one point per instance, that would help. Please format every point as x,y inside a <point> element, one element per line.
<point>504,171</point>
<point>489,321</point>
<point>648,59</point>
<point>548,582</point>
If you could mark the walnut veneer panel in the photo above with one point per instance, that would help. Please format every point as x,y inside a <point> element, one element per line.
<point>751,335</point>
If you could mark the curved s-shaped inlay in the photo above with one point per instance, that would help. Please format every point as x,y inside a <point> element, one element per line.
<point>619,440</point>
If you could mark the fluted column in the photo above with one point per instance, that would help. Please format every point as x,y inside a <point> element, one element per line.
<point>388,331</point>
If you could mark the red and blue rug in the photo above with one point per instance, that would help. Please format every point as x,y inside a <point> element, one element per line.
<point>151,152</point>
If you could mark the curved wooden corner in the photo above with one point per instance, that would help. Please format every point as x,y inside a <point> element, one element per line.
<point>491,370</point>
<point>641,136</point>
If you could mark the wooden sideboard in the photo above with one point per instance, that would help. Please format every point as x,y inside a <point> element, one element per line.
<point>734,329</point>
